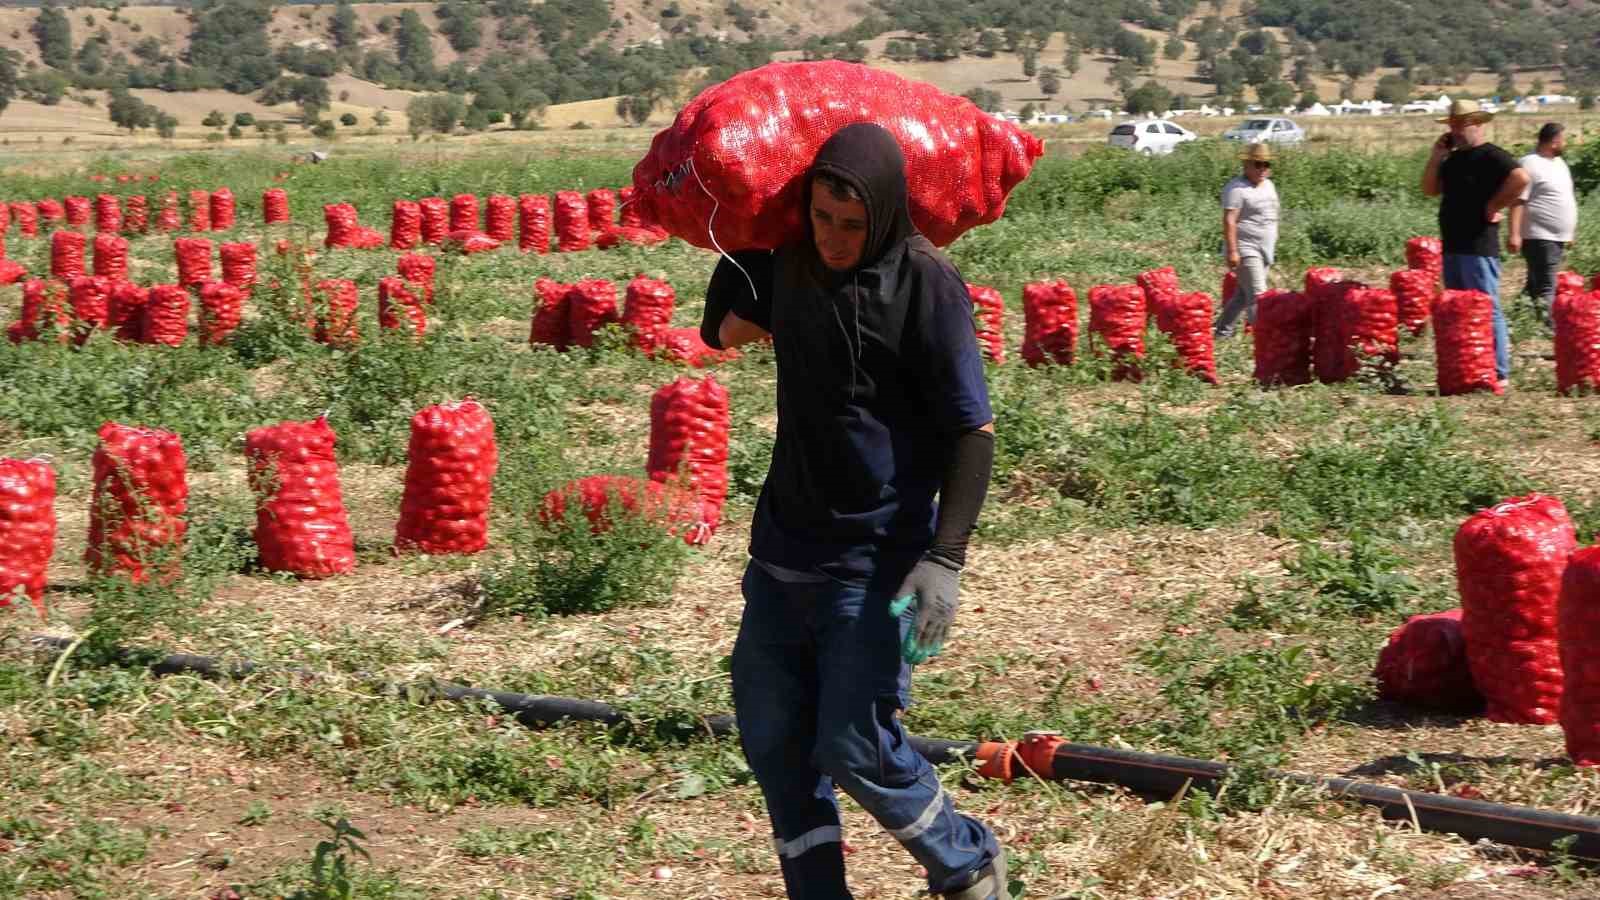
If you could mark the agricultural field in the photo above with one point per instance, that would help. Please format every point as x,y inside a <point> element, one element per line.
<point>1172,566</point>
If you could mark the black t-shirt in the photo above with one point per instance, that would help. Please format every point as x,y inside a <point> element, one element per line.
<point>1470,178</point>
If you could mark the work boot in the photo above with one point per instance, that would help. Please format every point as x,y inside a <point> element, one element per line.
<point>988,884</point>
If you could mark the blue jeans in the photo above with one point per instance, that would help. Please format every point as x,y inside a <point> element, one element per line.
<point>1463,272</point>
<point>817,685</point>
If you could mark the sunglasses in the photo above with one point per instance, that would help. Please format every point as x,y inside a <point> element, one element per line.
<point>1260,165</point>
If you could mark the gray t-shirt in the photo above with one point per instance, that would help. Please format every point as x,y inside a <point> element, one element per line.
<point>1258,215</point>
<point>1552,209</point>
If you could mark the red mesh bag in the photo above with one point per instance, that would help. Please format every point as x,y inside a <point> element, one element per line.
<point>27,528</point>
<point>1577,321</point>
<point>222,209</point>
<point>593,306</point>
<point>1230,285</point>
<point>1117,316</point>
<point>50,211</point>
<point>128,301</point>
<point>1161,291</point>
<point>627,209</point>
<point>91,304</point>
<point>1463,341</point>
<point>450,468</point>
<point>572,222</point>
<point>221,310</point>
<point>1568,282</point>
<point>405,225</point>
<point>107,214</point>
<point>435,219</point>
<point>275,206</point>
<point>1509,561</point>
<point>11,271</point>
<point>1578,627</point>
<point>464,212</point>
<point>418,268</point>
<point>1189,326</point>
<point>199,210</point>
<point>552,313</point>
<point>500,217</point>
<point>136,215</point>
<point>78,210</point>
<point>989,311</point>
<point>602,203</point>
<point>1283,331</point>
<point>1424,664</point>
<point>1050,323</point>
<point>342,225</point>
<point>622,234</point>
<point>194,260</point>
<point>27,219</point>
<point>743,147</point>
<point>45,304</point>
<point>301,524</point>
<point>166,315</point>
<point>5,219</point>
<point>66,255</point>
<point>1426,254</point>
<point>111,256</point>
<point>1354,323</point>
<point>471,242</point>
<point>1415,291</point>
<point>170,218</point>
<point>602,497</point>
<point>1319,277</point>
<point>337,304</point>
<point>533,223</point>
<point>368,239</point>
<point>140,496</point>
<point>689,440</point>
<point>647,308</point>
<point>239,265</point>
<point>398,307</point>
<point>683,345</point>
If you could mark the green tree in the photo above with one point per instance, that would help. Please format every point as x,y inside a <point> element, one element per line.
<point>128,111</point>
<point>439,113</point>
<point>985,99</point>
<point>348,120</point>
<point>53,32</point>
<point>230,39</point>
<point>1121,76</point>
<point>323,129</point>
<point>1149,97</point>
<point>343,27</point>
<point>1173,48</point>
<point>380,119</point>
<point>1072,57</point>
<point>1507,85</point>
<point>1050,81</point>
<point>635,110</point>
<point>166,125</point>
<point>1586,99</point>
<point>235,132</point>
<point>1537,87</point>
<point>460,23</point>
<point>214,119</point>
<point>45,86</point>
<point>8,77</point>
<point>1394,89</point>
<point>244,119</point>
<point>1028,112</point>
<point>1130,46</point>
<point>1275,94</point>
<point>413,46</point>
<point>989,43</point>
<point>1308,97</point>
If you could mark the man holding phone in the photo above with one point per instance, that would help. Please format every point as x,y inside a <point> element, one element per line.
<point>1475,180</point>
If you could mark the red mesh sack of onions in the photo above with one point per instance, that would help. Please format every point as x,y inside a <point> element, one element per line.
<point>1369,328</point>
<point>1424,664</point>
<point>166,315</point>
<point>222,209</point>
<point>572,222</point>
<point>1415,291</point>
<point>1426,254</point>
<point>1568,282</point>
<point>1284,328</point>
<point>90,296</point>
<point>450,468</point>
<point>128,301</point>
<point>1509,562</point>
<point>11,271</point>
<point>605,498</point>
<point>301,524</point>
<point>471,242</point>
<point>221,310</point>
<point>552,313</point>
<point>337,303</point>
<point>199,210</point>
<point>1189,326</point>
<point>27,528</point>
<point>79,210</point>
<point>683,345</point>
<point>464,212</point>
<point>66,255</point>
<point>342,225</point>
<point>136,215</point>
<point>1161,290</point>
<point>1578,628</point>
<point>418,268</point>
<point>275,206</point>
<point>1117,317</point>
<point>50,211</point>
<point>111,256</point>
<point>1463,340</point>
<point>533,223</point>
<point>742,147</point>
<point>989,311</point>
<point>1577,321</point>
<point>1050,323</point>
<point>194,260</point>
<point>141,493</point>
<point>27,217</point>
<point>405,225</point>
<point>647,308</point>
<point>45,305</point>
<point>107,214</point>
<point>593,305</point>
<point>399,308</point>
<point>239,265</point>
<point>624,234</point>
<point>627,210</point>
<point>500,217</point>
<point>435,219</point>
<point>689,425</point>
<point>170,218</point>
<point>602,204</point>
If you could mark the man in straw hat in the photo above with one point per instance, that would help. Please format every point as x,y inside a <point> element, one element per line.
<point>1249,234</point>
<point>1476,180</point>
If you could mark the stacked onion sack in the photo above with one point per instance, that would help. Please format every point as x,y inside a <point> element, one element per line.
<point>449,480</point>
<point>1463,339</point>
<point>989,309</point>
<point>1117,319</point>
<point>1576,315</point>
<point>27,528</point>
<point>689,425</point>
<point>400,308</point>
<point>1050,323</point>
<point>141,493</point>
<point>1284,328</point>
<point>301,524</point>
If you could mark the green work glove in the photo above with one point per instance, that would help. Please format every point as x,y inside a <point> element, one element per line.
<point>933,589</point>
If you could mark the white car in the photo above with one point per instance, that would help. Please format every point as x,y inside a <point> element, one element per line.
<point>1265,131</point>
<point>1150,137</point>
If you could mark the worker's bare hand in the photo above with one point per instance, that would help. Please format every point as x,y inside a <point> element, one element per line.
<point>1234,259</point>
<point>1493,216</point>
<point>1514,243</point>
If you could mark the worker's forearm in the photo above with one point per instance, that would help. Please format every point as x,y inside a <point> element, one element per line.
<point>1430,177</point>
<point>735,331</point>
<point>1230,232</point>
<point>1510,192</point>
<point>961,494</point>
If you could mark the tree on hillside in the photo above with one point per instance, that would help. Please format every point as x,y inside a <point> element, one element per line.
<point>1030,62</point>
<point>8,77</point>
<point>230,40</point>
<point>1149,97</point>
<point>1174,47</point>
<point>1394,89</point>
<point>460,23</point>
<point>1121,76</point>
<point>413,47</point>
<point>53,32</point>
<point>985,99</point>
<point>344,27</point>
<point>1507,85</point>
<point>1140,50</point>
<point>380,119</point>
<point>1308,97</point>
<point>128,111</point>
<point>1275,94</point>
<point>214,119</point>
<point>1072,57</point>
<point>1050,82</point>
<point>635,110</point>
<point>44,86</point>
<point>438,113</point>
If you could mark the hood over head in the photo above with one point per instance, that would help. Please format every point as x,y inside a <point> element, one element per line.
<point>868,158</point>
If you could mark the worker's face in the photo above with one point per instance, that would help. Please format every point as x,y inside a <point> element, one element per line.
<point>1466,133</point>
<point>839,228</point>
<point>1257,172</point>
<point>1558,144</point>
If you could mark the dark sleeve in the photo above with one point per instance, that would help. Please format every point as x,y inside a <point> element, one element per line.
<point>741,283</point>
<point>1502,164</point>
<point>961,496</point>
<point>941,352</point>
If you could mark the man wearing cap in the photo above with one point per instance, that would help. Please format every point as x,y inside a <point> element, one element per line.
<point>1475,181</point>
<point>1249,234</point>
<point>1545,218</point>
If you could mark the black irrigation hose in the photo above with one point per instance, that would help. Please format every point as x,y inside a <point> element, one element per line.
<point>1148,774</point>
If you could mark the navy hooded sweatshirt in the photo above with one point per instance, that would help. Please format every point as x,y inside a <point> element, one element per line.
<point>878,374</point>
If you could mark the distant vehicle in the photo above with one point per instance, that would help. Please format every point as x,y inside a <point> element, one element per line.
<point>1265,131</point>
<point>1420,106</point>
<point>1150,137</point>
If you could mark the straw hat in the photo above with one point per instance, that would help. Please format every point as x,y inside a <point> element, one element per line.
<point>1257,152</point>
<point>1468,110</point>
